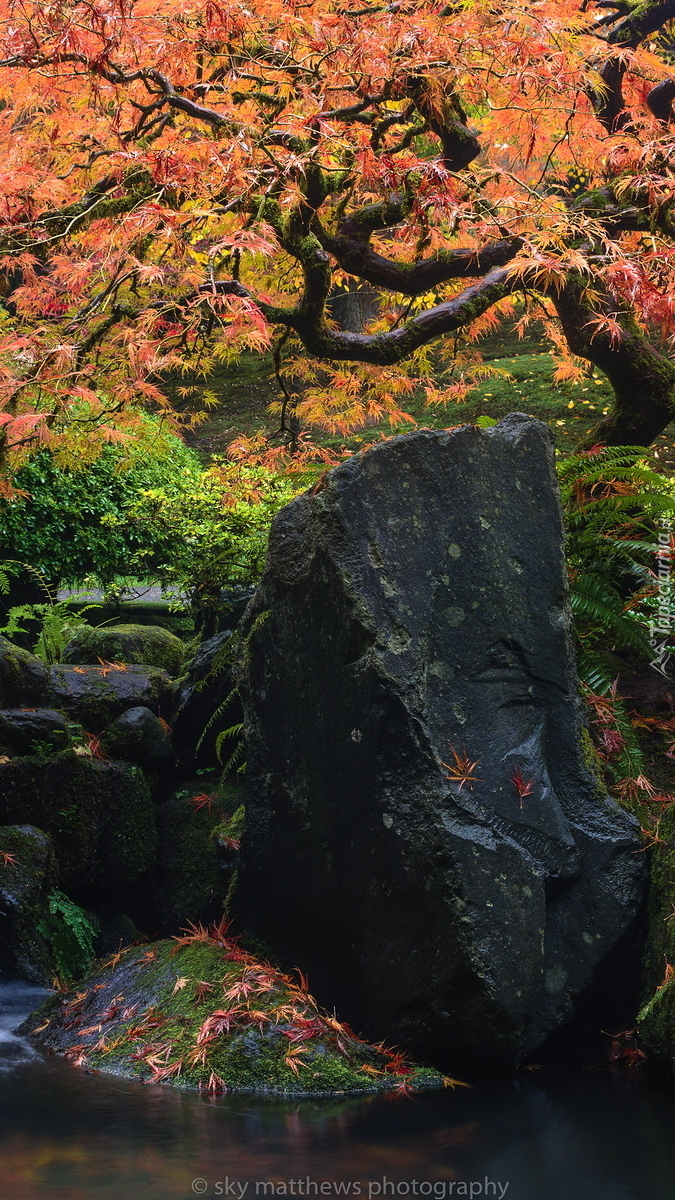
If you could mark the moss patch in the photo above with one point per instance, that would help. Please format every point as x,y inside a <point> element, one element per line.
<point>200,1012</point>
<point>149,645</point>
<point>98,814</point>
<point>194,868</point>
<point>25,878</point>
<point>23,678</point>
<point>656,1021</point>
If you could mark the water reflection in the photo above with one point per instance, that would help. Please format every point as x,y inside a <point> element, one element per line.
<point>68,1135</point>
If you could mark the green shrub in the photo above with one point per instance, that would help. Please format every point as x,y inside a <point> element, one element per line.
<point>73,521</point>
<point>212,532</point>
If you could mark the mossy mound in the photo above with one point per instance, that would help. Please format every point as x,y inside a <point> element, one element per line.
<point>149,645</point>
<point>199,1012</point>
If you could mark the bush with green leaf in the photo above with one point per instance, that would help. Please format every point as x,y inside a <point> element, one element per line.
<point>74,521</point>
<point>212,532</point>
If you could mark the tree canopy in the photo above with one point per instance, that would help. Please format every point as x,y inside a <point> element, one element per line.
<point>185,180</point>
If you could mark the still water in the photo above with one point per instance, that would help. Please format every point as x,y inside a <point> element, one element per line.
<point>67,1135</point>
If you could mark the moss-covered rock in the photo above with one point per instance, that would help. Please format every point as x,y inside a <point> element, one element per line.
<point>202,1013</point>
<point>94,696</point>
<point>98,814</point>
<point>26,872</point>
<point>192,874</point>
<point>149,645</point>
<point>656,1026</point>
<point>33,731</point>
<point>23,678</point>
<point>141,737</point>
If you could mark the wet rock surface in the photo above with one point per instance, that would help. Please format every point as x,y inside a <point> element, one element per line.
<point>422,833</point>
<point>139,736</point>
<point>94,696</point>
<point>30,731</point>
<point>23,678</point>
<point>26,875</point>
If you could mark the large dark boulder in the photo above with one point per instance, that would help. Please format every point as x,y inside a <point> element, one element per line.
<point>94,696</point>
<point>422,833</point>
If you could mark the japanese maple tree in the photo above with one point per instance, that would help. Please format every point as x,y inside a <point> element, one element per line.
<point>185,179</point>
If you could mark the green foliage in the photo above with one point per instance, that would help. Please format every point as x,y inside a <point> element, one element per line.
<point>70,933</point>
<point>612,500</point>
<point>73,522</point>
<point>236,761</point>
<point>56,625</point>
<point>213,529</point>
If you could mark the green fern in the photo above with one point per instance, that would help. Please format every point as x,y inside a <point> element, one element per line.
<point>70,932</point>
<point>236,760</point>
<point>612,500</point>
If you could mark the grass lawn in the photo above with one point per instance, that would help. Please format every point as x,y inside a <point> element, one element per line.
<point>527,386</point>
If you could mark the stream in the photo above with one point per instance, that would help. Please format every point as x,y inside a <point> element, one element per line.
<point>542,1135</point>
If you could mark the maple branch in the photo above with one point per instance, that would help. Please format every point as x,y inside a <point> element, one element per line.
<point>642,19</point>
<point>174,100</point>
<point>356,257</point>
<point>660,100</point>
<point>351,249</point>
<point>94,204</point>
<point>447,121</point>
<point>381,349</point>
